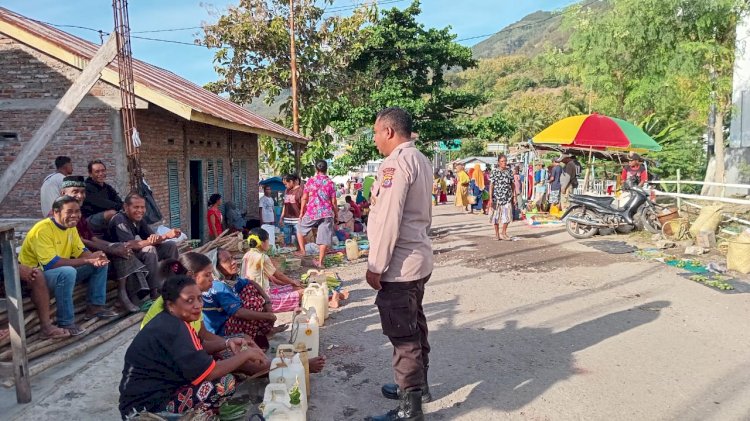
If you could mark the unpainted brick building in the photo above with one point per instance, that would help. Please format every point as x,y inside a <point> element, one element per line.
<point>194,143</point>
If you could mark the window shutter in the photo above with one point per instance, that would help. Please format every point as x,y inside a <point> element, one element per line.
<point>236,183</point>
<point>173,184</point>
<point>220,177</point>
<point>243,184</point>
<point>210,177</point>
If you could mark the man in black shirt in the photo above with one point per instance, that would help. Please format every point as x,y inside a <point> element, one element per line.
<point>129,227</point>
<point>570,180</point>
<point>102,201</point>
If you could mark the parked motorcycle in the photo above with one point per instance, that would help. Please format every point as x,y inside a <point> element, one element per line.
<point>588,215</point>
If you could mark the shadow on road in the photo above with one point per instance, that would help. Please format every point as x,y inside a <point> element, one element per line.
<point>505,369</point>
<point>475,368</point>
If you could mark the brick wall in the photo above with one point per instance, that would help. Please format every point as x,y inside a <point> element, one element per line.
<point>167,137</point>
<point>34,82</point>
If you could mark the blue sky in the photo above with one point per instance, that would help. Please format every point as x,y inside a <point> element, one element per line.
<point>471,18</point>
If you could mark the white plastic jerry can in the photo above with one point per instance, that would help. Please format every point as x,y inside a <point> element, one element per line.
<point>306,331</point>
<point>287,369</point>
<point>352,249</point>
<point>316,296</point>
<point>276,405</point>
<point>319,277</point>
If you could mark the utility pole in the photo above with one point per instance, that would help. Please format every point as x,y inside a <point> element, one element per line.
<point>295,109</point>
<point>127,92</point>
<point>295,101</point>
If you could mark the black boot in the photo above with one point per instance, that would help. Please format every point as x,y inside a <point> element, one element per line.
<point>392,391</point>
<point>409,408</point>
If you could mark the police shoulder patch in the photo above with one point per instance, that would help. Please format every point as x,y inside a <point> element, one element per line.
<point>387,181</point>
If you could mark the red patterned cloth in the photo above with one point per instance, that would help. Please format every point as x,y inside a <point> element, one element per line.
<point>253,301</point>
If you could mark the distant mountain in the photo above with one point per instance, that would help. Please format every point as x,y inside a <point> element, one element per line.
<point>271,112</point>
<point>528,36</point>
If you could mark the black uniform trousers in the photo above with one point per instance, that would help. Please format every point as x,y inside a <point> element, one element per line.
<point>404,322</point>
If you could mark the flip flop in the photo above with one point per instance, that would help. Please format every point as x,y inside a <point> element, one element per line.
<point>73,330</point>
<point>60,333</point>
<point>4,333</point>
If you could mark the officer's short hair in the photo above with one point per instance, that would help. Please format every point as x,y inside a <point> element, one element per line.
<point>398,119</point>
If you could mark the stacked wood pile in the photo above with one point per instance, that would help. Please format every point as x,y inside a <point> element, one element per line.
<point>232,242</point>
<point>38,347</point>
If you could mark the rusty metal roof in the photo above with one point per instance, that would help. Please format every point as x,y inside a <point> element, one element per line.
<point>153,84</point>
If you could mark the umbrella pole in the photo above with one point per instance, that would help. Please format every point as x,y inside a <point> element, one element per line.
<point>588,171</point>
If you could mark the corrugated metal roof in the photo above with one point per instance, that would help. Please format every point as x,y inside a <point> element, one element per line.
<point>203,105</point>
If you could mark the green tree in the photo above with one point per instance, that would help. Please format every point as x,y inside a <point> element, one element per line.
<point>671,58</point>
<point>253,60</point>
<point>403,64</point>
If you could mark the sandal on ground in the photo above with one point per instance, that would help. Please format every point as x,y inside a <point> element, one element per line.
<point>73,330</point>
<point>4,333</point>
<point>103,313</point>
<point>56,333</point>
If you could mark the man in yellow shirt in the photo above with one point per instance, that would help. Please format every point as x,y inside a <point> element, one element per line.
<point>54,246</point>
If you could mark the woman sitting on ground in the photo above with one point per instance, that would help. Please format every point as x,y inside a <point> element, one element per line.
<point>244,309</point>
<point>200,269</point>
<point>169,369</point>
<point>257,266</point>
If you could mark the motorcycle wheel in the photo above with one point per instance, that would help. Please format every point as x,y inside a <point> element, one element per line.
<point>577,230</point>
<point>648,220</point>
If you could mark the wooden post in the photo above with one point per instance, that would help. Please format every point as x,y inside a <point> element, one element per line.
<point>679,190</point>
<point>298,159</point>
<point>57,117</point>
<point>15,316</point>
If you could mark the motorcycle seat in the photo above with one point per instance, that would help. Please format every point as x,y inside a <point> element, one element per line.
<point>602,200</point>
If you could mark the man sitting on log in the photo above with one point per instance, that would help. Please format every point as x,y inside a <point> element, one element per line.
<point>33,279</point>
<point>54,246</point>
<point>102,201</point>
<point>124,263</point>
<point>150,248</point>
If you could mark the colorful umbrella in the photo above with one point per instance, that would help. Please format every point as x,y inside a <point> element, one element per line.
<point>596,131</point>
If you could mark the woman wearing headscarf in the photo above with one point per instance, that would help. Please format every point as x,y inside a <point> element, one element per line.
<point>462,187</point>
<point>479,189</point>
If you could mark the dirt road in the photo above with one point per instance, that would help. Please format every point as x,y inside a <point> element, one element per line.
<point>543,328</point>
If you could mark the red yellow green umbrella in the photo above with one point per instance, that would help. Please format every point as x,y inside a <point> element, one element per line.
<point>596,131</point>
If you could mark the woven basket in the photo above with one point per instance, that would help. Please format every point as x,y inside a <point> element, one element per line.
<point>676,229</point>
<point>667,215</point>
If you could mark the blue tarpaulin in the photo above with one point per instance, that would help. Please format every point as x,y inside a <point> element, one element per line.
<point>275,183</point>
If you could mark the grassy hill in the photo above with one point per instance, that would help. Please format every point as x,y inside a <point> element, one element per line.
<point>528,36</point>
<point>531,35</point>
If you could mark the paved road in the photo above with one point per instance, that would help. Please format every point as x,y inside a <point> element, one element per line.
<point>543,328</point>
